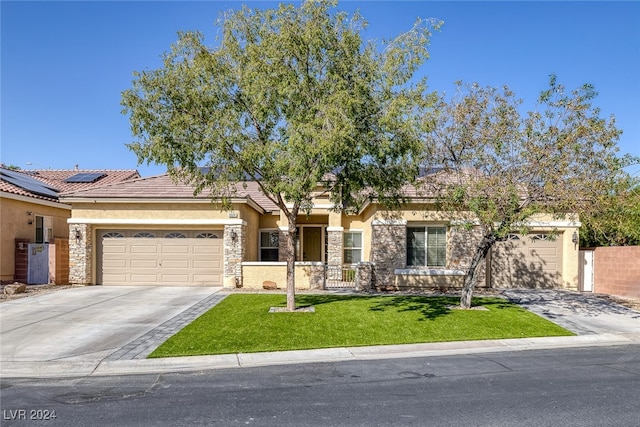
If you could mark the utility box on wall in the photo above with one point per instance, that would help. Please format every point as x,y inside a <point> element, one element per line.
<point>38,264</point>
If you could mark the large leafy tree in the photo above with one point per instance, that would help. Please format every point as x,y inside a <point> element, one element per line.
<point>499,166</point>
<point>290,98</point>
<point>615,219</point>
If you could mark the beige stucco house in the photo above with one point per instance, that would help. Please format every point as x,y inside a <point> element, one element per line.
<point>153,231</point>
<point>31,212</point>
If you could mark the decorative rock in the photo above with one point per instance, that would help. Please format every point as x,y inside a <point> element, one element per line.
<point>269,285</point>
<point>16,288</point>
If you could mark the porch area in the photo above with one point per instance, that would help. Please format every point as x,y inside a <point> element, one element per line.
<point>308,275</point>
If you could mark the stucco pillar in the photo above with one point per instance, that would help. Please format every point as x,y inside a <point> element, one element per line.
<point>235,237</point>
<point>80,253</point>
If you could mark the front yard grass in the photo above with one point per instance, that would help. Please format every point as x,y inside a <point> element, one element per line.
<point>242,323</point>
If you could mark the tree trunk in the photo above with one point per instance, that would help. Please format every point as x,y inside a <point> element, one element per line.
<point>291,264</point>
<point>470,278</point>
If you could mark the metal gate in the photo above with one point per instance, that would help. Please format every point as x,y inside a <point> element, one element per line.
<point>340,277</point>
<point>38,264</point>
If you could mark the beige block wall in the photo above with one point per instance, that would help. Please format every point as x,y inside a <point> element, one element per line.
<point>306,274</point>
<point>140,211</point>
<point>14,223</point>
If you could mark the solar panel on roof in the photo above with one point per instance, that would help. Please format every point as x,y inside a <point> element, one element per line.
<point>28,183</point>
<point>85,177</point>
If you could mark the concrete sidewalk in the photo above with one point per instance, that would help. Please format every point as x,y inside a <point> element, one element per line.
<point>597,323</point>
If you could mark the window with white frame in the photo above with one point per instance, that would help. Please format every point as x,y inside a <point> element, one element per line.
<point>269,243</point>
<point>427,246</point>
<point>352,247</point>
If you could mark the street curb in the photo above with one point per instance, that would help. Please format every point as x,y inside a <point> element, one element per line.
<point>106,367</point>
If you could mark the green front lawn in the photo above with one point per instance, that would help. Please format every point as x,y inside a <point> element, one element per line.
<point>241,323</point>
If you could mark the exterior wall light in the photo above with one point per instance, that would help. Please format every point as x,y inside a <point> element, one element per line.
<point>574,237</point>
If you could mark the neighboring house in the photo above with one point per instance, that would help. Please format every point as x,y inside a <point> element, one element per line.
<point>153,231</point>
<point>31,212</point>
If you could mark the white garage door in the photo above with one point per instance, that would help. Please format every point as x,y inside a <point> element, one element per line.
<point>152,257</point>
<point>532,261</point>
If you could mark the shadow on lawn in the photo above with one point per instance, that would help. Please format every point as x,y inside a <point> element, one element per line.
<point>430,307</point>
<point>310,300</point>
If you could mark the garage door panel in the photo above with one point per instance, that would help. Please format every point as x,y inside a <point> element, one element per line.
<point>168,248</point>
<point>527,263</point>
<point>209,263</point>
<point>162,261</point>
<point>178,279</point>
<point>545,252</point>
<point>143,249</point>
<point>144,263</point>
<point>140,277</point>
<point>114,263</point>
<point>115,249</point>
<point>215,248</point>
<point>175,263</point>
<point>114,278</point>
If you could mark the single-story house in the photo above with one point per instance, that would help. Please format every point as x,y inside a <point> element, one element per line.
<point>31,212</point>
<point>154,231</point>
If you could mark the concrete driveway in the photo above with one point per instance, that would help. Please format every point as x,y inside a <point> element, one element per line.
<point>87,324</point>
<point>582,313</point>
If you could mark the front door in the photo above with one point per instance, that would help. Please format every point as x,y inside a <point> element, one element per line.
<point>312,243</point>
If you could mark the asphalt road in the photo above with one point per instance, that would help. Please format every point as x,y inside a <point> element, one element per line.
<point>597,386</point>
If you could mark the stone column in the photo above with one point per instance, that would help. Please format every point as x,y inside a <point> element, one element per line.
<point>235,237</point>
<point>335,253</point>
<point>461,246</point>
<point>388,251</point>
<point>80,253</point>
<point>335,245</point>
<point>282,244</point>
<point>364,277</point>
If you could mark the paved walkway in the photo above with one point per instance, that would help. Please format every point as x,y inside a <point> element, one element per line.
<point>143,346</point>
<point>596,321</point>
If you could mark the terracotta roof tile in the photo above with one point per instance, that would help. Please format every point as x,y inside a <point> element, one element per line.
<point>163,187</point>
<point>56,180</point>
<point>57,177</point>
<point>8,187</point>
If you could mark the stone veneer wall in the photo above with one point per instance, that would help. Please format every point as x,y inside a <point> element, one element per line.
<point>388,252</point>
<point>282,245</point>
<point>335,243</point>
<point>234,251</point>
<point>461,245</point>
<point>364,276</point>
<point>80,254</point>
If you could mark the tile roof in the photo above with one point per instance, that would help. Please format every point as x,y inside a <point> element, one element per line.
<point>56,179</point>
<point>164,187</point>
<point>7,187</point>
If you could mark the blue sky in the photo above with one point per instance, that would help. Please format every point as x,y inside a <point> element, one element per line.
<point>65,64</point>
